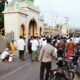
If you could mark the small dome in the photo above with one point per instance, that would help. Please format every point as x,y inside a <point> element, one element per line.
<point>20,0</point>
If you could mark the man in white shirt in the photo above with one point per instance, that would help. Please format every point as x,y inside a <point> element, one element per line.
<point>40,41</point>
<point>44,42</point>
<point>76,40</point>
<point>5,55</point>
<point>21,47</point>
<point>34,46</point>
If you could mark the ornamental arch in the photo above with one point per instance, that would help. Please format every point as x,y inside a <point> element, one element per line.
<point>22,30</point>
<point>40,31</point>
<point>33,28</point>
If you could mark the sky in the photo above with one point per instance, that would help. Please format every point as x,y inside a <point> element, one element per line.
<point>58,10</point>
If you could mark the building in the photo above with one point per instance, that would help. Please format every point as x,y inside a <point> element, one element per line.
<point>52,30</point>
<point>23,18</point>
<point>65,29</point>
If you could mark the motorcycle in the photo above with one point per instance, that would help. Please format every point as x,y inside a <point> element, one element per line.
<point>62,72</point>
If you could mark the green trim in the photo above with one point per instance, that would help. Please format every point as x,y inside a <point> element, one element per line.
<point>29,1</point>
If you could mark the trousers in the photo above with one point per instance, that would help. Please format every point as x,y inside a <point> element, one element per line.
<point>21,54</point>
<point>45,66</point>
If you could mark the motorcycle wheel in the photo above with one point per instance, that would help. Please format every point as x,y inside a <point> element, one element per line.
<point>71,73</point>
<point>56,77</point>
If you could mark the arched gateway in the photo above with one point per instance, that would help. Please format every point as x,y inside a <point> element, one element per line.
<point>25,19</point>
<point>32,30</point>
<point>22,30</point>
<point>40,31</point>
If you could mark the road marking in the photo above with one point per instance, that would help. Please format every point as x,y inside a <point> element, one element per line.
<point>10,73</point>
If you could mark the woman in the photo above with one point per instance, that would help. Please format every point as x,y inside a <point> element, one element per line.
<point>70,48</point>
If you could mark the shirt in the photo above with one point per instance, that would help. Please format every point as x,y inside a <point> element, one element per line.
<point>4,54</point>
<point>20,44</point>
<point>44,43</point>
<point>40,42</point>
<point>46,53</point>
<point>70,46</point>
<point>34,44</point>
<point>12,46</point>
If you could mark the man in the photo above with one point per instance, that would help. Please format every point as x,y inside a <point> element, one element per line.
<point>29,45</point>
<point>44,42</point>
<point>70,48</point>
<point>61,48</point>
<point>21,47</point>
<point>34,46</point>
<point>5,55</point>
<point>46,57</point>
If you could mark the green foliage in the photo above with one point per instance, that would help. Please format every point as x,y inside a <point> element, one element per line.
<point>2,7</point>
<point>1,20</point>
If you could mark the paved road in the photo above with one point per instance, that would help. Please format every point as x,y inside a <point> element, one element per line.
<point>18,70</point>
<point>29,71</point>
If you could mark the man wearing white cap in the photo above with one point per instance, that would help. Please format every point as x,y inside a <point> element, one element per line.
<point>5,55</point>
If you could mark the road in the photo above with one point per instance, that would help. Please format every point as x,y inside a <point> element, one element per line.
<point>20,70</point>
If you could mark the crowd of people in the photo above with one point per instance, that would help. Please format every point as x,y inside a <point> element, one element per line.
<point>43,49</point>
<point>51,48</point>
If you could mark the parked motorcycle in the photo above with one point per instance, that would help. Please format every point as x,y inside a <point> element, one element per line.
<point>63,71</point>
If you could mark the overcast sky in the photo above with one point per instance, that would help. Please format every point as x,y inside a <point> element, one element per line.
<point>60,8</point>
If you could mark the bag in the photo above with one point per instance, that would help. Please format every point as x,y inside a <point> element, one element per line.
<point>10,58</point>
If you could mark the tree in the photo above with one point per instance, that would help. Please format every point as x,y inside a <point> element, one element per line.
<point>2,7</point>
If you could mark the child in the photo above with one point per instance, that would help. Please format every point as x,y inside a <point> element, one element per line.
<point>12,46</point>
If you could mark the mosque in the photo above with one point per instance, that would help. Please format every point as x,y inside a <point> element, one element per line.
<point>23,18</point>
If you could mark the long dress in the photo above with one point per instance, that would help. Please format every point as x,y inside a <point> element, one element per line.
<point>70,49</point>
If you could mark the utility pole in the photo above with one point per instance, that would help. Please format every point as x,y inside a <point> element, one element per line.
<point>67,19</point>
<point>52,21</point>
<point>67,24</point>
<point>56,19</point>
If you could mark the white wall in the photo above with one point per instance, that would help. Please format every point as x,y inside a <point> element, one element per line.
<point>13,20</point>
<point>11,23</point>
<point>22,19</point>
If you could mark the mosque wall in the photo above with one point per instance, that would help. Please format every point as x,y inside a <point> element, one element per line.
<point>14,19</point>
<point>11,23</point>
